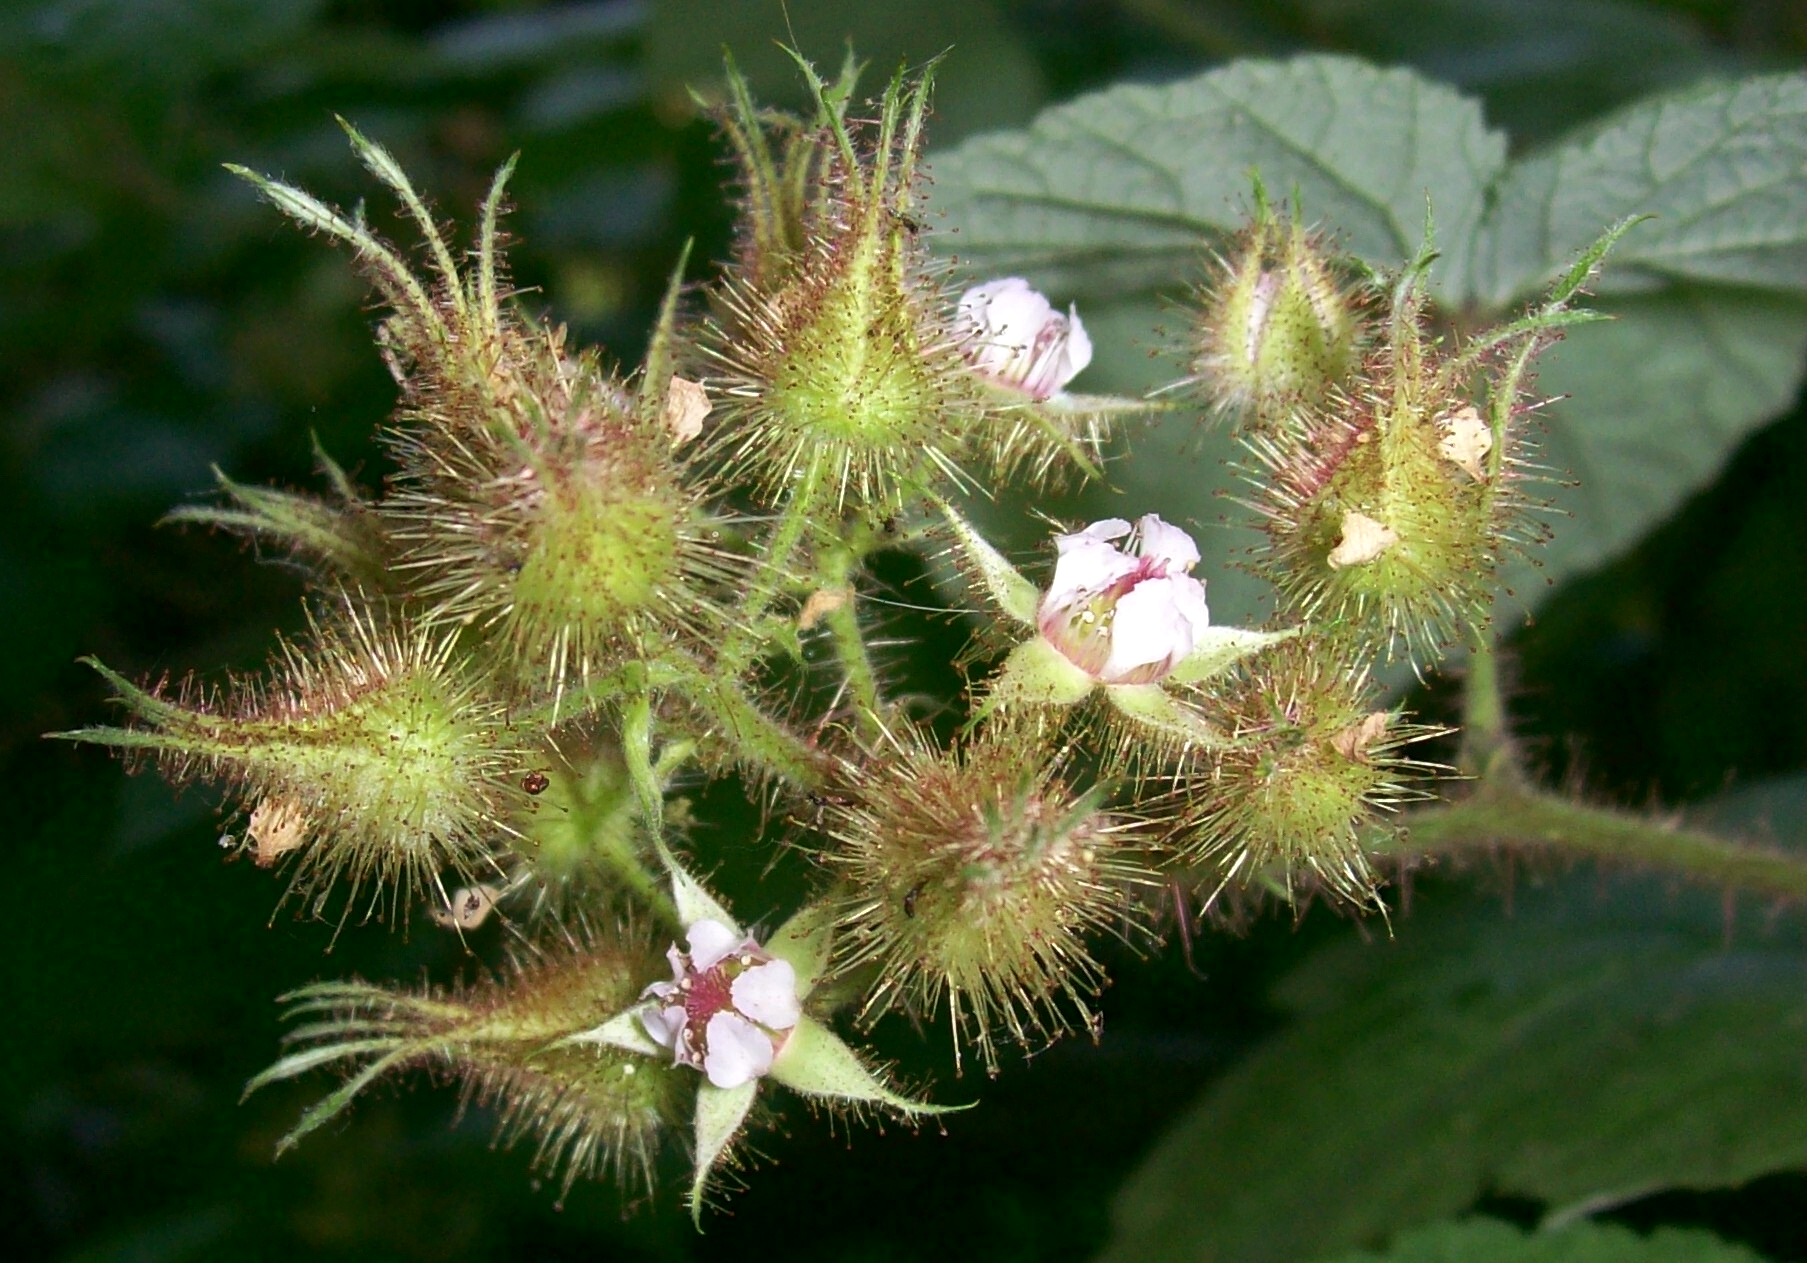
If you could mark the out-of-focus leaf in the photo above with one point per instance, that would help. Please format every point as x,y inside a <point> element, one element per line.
<point>1583,1050</point>
<point>989,79</point>
<point>1656,400</point>
<point>1490,1241</point>
<point>532,37</point>
<point>1122,189</point>
<point>1538,64</point>
<point>152,41</point>
<point>1723,168</point>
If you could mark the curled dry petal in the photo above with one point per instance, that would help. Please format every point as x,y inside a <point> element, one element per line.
<point>1364,540</point>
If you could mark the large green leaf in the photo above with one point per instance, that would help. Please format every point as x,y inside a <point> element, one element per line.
<point>1581,1049</point>
<point>1121,189</point>
<point>1723,168</point>
<point>1656,401</point>
<point>1490,1241</point>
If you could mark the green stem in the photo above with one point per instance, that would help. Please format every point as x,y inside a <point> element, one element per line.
<point>1529,818</point>
<point>793,524</point>
<point>849,643</point>
<point>1487,751</point>
<point>636,747</point>
<point>755,735</point>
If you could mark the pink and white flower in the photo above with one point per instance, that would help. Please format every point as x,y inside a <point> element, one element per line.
<point>1125,617</point>
<point>1012,335</point>
<point>728,1008</point>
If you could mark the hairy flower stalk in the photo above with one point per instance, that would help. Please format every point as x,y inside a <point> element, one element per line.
<point>974,877</point>
<point>590,1110</point>
<point>367,755</point>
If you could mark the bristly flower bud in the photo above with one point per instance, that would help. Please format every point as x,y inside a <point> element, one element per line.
<point>1389,509</point>
<point>536,498</point>
<point>591,1110</point>
<point>367,755</point>
<point>845,385</point>
<point>976,876</point>
<point>1278,329</point>
<point>1287,799</point>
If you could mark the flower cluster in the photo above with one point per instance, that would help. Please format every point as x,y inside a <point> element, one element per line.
<point>582,594</point>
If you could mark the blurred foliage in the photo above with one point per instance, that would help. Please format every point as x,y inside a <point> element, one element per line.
<point>155,320</point>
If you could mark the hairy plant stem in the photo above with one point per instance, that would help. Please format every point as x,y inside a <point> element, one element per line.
<point>1487,752</point>
<point>838,565</point>
<point>1498,816</point>
<point>747,639</point>
<point>637,750</point>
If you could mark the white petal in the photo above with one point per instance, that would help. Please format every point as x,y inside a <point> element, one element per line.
<point>737,1050</point>
<point>768,994</point>
<point>1189,599</point>
<point>663,1023</point>
<point>1079,346</point>
<point>1109,528</point>
<point>1149,628</point>
<point>1160,541</point>
<point>710,942</point>
<point>1087,564</point>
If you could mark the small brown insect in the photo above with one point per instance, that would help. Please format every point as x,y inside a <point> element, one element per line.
<point>535,782</point>
<point>910,897</point>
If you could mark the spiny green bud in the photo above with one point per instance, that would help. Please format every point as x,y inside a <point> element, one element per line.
<point>561,522</point>
<point>590,1109</point>
<point>1278,329</point>
<point>535,498</point>
<point>1285,803</point>
<point>844,382</point>
<point>976,875</point>
<point>365,755</point>
<point>1388,510</point>
<point>781,161</point>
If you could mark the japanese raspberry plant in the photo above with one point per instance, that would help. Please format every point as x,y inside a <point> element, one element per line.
<point>582,592</point>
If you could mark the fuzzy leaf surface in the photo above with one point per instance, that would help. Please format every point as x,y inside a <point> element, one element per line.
<point>1122,189</point>
<point>1584,1050</point>
<point>1652,405</point>
<point>1722,168</point>
<point>1490,1241</point>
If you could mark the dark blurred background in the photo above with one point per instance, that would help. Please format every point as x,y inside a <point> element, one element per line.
<point>155,319</point>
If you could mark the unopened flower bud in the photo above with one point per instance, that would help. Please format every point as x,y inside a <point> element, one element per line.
<point>590,1109</point>
<point>1308,764</point>
<point>1278,329</point>
<point>1388,510</point>
<point>368,755</point>
<point>975,876</point>
<point>843,380</point>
